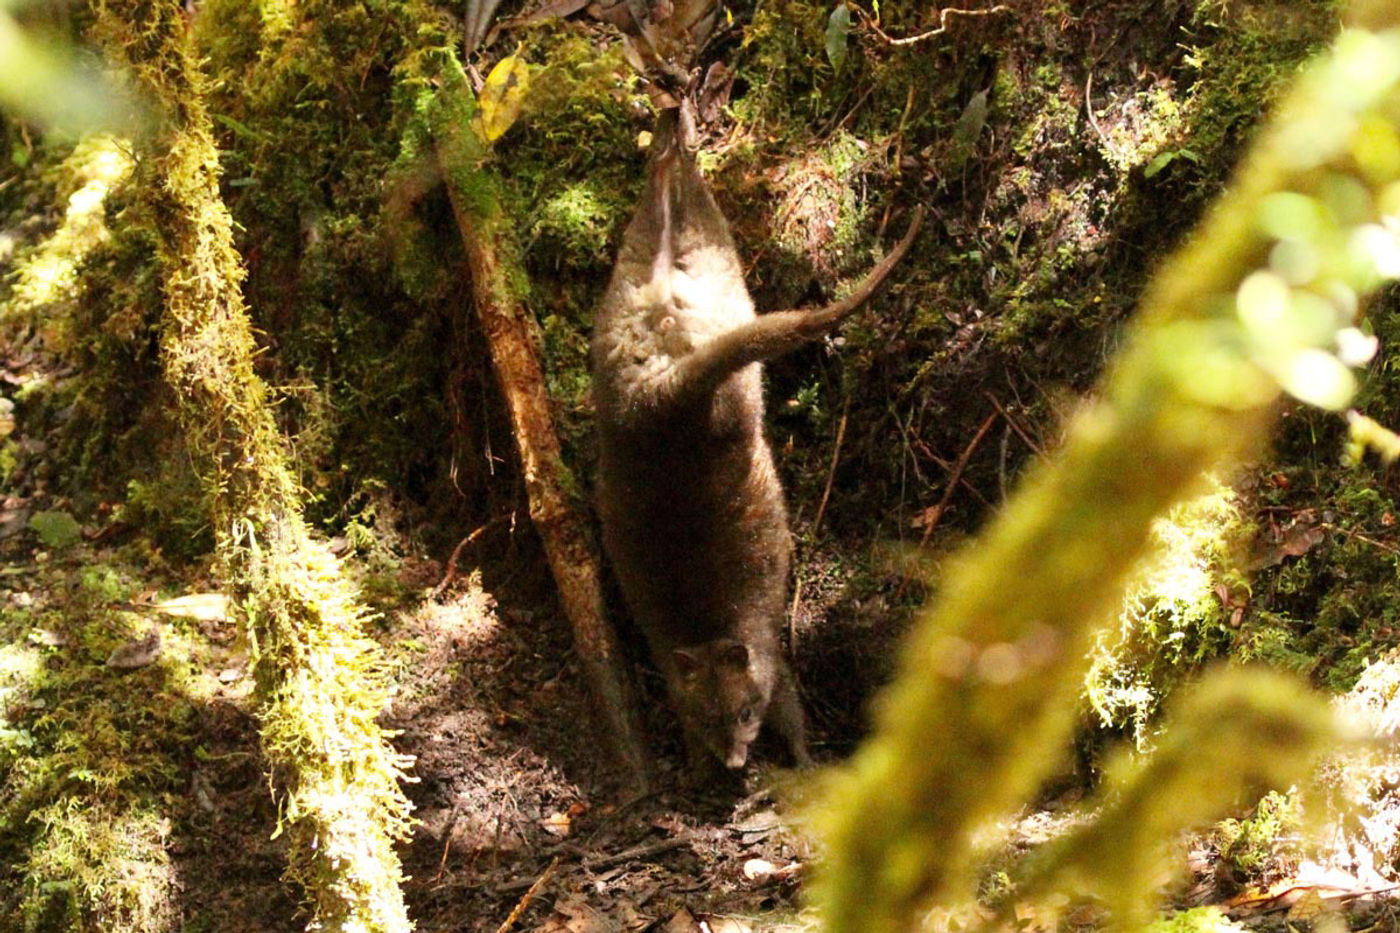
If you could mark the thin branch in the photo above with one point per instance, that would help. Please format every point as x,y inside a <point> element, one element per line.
<point>451,573</point>
<point>942,24</point>
<point>956,475</point>
<point>1014,425</point>
<point>528,897</point>
<point>1093,119</point>
<point>831,474</point>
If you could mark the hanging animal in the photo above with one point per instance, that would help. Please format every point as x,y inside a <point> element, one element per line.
<point>692,511</point>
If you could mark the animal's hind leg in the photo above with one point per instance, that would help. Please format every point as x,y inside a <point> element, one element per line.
<point>787,719</point>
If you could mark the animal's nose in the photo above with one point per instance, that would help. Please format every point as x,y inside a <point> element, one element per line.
<point>737,756</point>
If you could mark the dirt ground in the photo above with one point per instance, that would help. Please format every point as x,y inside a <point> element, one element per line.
<point>519,816</point>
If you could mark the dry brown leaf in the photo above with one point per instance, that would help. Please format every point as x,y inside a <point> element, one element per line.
<point>573,914</point>
<point>557,824</point>
<point>1308,905</point>
<point>681,922</point>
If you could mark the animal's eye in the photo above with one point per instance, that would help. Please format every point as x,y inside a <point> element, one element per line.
<point>745,714</point>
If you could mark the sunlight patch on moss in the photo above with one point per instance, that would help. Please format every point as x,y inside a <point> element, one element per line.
<point>49,274</point>
<point>93,864</point>
<point>579,219</point>
<point>1139,127</point>
<point>1195,920</point>
<point>1172,617</point>
<point>93,760</point>
<point>18,665</point>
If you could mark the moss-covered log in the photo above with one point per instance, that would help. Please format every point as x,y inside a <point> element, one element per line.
<point>1260,300</point>
<point>320,688</point>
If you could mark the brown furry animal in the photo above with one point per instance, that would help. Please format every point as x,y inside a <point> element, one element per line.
<point>692,510</point>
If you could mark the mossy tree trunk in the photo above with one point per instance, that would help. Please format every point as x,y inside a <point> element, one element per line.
<point>986,697</point>
<point>513,340</point>
<point>319,685</point>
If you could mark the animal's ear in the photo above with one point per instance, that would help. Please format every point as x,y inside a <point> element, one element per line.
<point>687,662</point>
<point>735,654</point>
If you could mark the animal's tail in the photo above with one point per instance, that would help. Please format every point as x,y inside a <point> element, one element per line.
<point>673,141</point>
<point>671,164</point>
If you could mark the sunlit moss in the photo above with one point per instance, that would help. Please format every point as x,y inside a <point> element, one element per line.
<point>1195,920</point>
<point>1174,615</point>
<point>1140,128</point>
<point>1249,845</point>
<point>49,274</point>
<point>91,866</point>
<point>19,664</point>
<point>91,759</point>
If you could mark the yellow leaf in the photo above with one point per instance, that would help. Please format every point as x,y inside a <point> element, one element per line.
<point>502,97</point>
<point>207,607</point>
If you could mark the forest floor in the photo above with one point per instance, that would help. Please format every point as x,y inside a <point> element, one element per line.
<point>521,825</point>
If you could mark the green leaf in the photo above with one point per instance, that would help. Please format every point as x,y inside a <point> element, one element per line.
<point>838,30</point>
<point>1162,161</point>
<point>56,530</point>
<point>240,129</point>
<point>965,132</point>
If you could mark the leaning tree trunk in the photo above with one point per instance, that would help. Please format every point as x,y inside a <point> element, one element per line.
<point>320,685</point>
<point>574,558</point>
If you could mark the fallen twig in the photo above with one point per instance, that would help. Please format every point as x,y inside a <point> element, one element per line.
<point>528,897</point>
<point>451,573</point>
<point>604,861</point>
<point>642,851</point>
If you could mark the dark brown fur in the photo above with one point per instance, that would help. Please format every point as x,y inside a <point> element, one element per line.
<point>692,510</point>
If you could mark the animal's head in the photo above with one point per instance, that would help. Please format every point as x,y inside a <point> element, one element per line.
<point>721,696</point>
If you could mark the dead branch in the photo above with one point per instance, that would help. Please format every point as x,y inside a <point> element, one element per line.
<point>572,553</point>
<point>451,573</point>
<point>955,475</point>
<point>943,15</point>
<point>831,474</point>
<point>528,897</point>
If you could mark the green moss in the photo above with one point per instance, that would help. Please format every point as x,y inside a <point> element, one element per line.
<point>818,217</point>
<point>576,224</point>
<point>785,66</point>
<point>1173,617</point>
<point>348,271</point>
<point>319,686</point>
<point>1259,842</point>
<point>55,529</point>
<point>1195,920</point>
<point>94,761</point>
<point>1240,55</point>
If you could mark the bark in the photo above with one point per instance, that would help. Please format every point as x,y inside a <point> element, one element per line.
<point>573,555</point>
